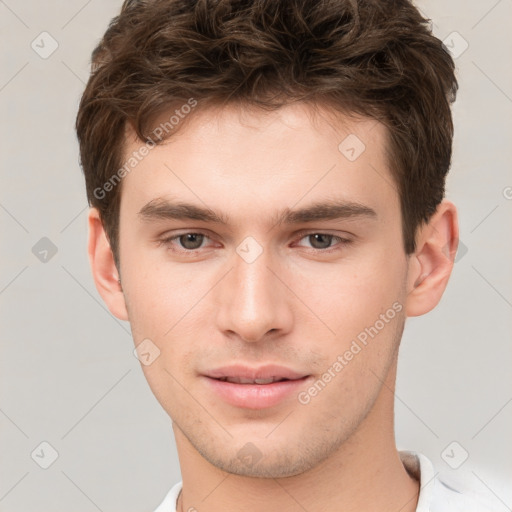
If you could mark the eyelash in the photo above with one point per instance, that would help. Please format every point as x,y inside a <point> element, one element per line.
<point>341,241</point>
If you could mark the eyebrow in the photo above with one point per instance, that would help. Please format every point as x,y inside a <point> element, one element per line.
<point>163,209</point>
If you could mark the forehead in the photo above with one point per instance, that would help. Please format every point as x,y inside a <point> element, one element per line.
<point>240,159</point>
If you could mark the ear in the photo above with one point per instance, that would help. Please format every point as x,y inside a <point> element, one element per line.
<point>431,264</point>
<point>103,267</point>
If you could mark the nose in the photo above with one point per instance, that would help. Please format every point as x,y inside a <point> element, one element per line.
<point>253,303</point>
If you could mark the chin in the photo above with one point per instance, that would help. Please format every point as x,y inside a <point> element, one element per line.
<point>264,459</point>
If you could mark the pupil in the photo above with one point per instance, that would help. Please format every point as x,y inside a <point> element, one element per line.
<point>320,236</point>
<point>193,240</point>
<point>190,240</point>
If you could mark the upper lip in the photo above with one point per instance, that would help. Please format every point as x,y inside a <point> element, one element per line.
<point>260,372</point>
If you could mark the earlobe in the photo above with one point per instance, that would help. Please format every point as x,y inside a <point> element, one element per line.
<point>104,271</point>
<point>431,265</point>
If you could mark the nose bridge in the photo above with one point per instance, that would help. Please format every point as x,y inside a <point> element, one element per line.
<point>251,301</point>
<point>252,281</point>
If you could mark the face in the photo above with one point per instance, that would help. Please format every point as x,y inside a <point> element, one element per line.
<point>270,315</point>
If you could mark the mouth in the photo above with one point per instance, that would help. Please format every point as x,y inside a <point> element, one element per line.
<point>254,388</point>
<point>242,380</point>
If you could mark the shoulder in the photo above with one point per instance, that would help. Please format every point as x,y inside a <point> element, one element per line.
<point>455,493</point>
<point>439,491</point>
<point>442,491</point>
<point>169,502</point>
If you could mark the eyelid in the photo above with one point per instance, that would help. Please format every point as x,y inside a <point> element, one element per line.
<point>168,239</point>
<point>304,232</point>
<point>342,241</point>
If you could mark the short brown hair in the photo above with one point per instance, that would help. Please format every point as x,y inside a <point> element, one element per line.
<point>376,58</point>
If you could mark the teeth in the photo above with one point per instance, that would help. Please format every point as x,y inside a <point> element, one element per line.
<point>241,380</point>
<point>264,381</point>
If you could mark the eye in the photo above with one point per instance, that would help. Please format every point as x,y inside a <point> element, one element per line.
<point>187,241</point>
<point>322,241</point>
<point>191,241</point>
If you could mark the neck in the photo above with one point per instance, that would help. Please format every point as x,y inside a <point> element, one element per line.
<point>365,474</point>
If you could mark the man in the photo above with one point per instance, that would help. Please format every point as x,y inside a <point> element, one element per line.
<point>267,181</point>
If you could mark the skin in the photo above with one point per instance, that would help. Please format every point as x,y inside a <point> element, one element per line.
<point>294,305</point>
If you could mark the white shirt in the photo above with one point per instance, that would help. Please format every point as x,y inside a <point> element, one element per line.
<point>437,494</point>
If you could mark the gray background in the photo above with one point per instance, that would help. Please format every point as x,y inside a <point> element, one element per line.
<point>68,373</point>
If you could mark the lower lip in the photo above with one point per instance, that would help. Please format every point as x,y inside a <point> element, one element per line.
<point>255,396</point>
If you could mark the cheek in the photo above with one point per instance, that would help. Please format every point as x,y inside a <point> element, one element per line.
<point>157,296</point>
<point>364,307</point>
<point>355,298</point>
